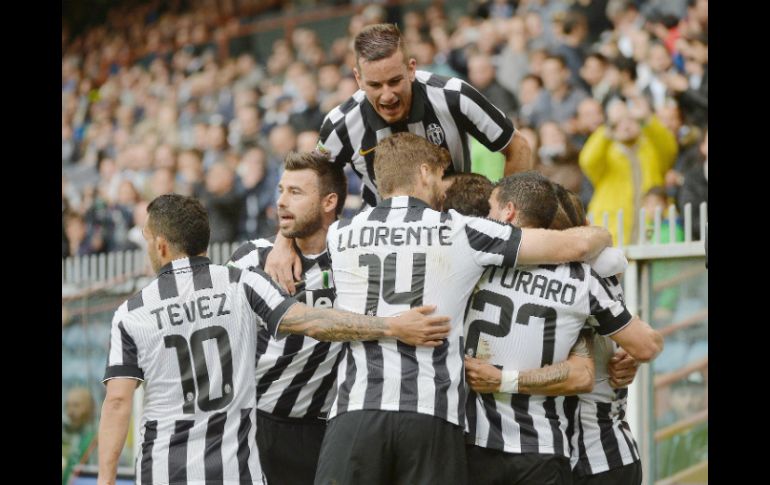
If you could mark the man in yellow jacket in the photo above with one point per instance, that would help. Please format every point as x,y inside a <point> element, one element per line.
<point>623,160</point>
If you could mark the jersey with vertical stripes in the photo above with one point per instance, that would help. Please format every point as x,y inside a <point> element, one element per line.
<point>191,336</point>
<point>526,318</point>
<point>296,375</point>
<point>600,437</point>
<point>445,111</point>
<point>395,256</point>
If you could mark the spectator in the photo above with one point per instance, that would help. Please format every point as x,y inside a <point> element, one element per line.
<point>77,431</point>
<point>307,114</point>
<point>222,202</point>
<point>83,240</point>
<point>513,60</point>
<point>695,188</point>
<point>623,160</point>
<point>691,91</point>
<point>481,74</point>
<point>593,76</point>
<point>562,98</point>
<point>590,116</point>
<point>688,139</point>
<point>307,140</point>
<point>245,130</point>
<point>257,214</point>
<point>656,199</point>
<point>534,101</point>
<point>558,158</point>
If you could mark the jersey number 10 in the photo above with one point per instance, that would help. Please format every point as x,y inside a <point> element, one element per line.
<point>200,373</point>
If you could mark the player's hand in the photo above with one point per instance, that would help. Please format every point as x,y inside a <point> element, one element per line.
<point>283,264</point>
<point>482,377</point>
<point>416,328</point>
<point>622,369</point>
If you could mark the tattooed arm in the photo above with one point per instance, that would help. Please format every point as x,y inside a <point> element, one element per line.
<point>572,376</point>
<point>413,327</point>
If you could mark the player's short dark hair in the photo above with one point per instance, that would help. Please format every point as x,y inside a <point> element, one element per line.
<point>570,212</point>
<point>533,197</point>
<point>182,221</point>
<point>468,194</point>
<point>331,176</point>
<point>379,41</point>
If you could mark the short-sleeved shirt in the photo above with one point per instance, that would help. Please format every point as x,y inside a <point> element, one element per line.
<point>399,255</point>
<point>191,336</point>
<point>295,375</point>
<point>526,318</point>
<point>445,111</point>
<point>599,433</point>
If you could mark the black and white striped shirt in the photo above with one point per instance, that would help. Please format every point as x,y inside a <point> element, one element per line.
<point>402,254</point>
<point>600,437</point>
<point>296,375</point>
<point>526,318</point>
<point>445,111</point>
<point>191,336</point>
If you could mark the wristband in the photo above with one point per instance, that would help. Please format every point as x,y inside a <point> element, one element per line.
<point>509,382</point>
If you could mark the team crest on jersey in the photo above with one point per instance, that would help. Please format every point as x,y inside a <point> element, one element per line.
<point>435,134</point>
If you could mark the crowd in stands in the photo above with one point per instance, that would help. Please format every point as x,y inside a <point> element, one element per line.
<point>612,96</point>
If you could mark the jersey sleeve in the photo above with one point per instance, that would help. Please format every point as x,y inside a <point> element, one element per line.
<point>250,255</point>
<point>492,243</point>
<point>123,354</point>
<point>483,120</point>
<point>333,138</point>
<point>610,313</point>
<point>265,298</point>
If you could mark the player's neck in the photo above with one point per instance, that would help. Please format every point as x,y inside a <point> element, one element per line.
<point>315,243</point>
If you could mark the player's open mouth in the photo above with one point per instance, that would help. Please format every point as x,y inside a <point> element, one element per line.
<point>391,108</point>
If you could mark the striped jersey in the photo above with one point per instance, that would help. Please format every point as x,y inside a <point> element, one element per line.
<point>600,437</point>
<point>403,254</point>
<point>526,318</point>
<point>445,111</point>
<point>191,336</point>
<point>295,375</point>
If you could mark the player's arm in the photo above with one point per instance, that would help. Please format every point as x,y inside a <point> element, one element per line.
<point>492,128</point>
<point>613,320</point>
<point>283,263</point>
<point>113,426</point>
<point>548,246</point>
<point>518,155</point>
<point>413,327</point>
<point>572,376</point>
<point>641,341</point>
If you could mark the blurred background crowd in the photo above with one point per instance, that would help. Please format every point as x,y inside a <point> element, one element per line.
<point>206,97</point>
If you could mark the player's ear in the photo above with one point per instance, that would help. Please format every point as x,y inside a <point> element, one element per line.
<point>161,246</point>
<point>509,212</point>
<point>329,202</point>
<point>411,68</point>
<point>358,77</point>
<point>425,171</point>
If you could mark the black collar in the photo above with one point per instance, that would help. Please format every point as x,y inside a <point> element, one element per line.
<point>185,262</point>
<point>323,260</point>
<point>416,111</point>
<point>403,201</point>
